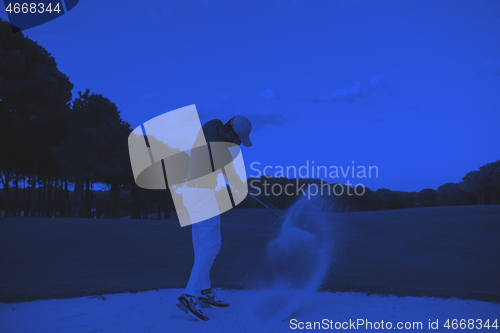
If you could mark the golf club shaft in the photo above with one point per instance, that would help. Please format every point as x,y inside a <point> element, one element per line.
<point>272,211</point>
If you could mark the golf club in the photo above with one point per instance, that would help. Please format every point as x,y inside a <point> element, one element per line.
<point>272,211</point>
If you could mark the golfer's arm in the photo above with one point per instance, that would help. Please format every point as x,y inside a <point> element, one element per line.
<point>232,176</point>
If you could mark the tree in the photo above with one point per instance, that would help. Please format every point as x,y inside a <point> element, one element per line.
<point>490,172</point>
<point>33,96</point>
<point>95,148</point>
<point>475,182</point>
<point>427,197</point>
<point>176,167</point>
<point>452,194</point>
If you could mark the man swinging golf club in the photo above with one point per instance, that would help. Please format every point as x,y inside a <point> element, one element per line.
<point>200,201</point>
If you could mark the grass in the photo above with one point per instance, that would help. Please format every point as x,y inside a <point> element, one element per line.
<point>439,251</point>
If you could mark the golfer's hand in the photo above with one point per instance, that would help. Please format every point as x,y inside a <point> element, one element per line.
<point>241,186</point>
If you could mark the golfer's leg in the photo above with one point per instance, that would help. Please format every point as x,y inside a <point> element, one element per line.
<point>192,288</point>
<point>206,243</point>
<point>210,241</point>
<point>206,238</point>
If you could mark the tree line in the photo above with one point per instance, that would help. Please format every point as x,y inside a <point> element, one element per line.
<point>480,187</point>
<point>54,149</point>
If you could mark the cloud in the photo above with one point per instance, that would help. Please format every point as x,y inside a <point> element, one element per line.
<point>226,108</point>
<point>375,81</point>
<point>376,120</point>
<point>340,25</point>
<point>349,3</point>
<point>493,67</point>
<point>268,94</point>
<point>353,94</point>
<point>450,65</point>
<point>146,96</point>
<point>261,120</point>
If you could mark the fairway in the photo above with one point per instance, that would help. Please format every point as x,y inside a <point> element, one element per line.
<point>438,251</point>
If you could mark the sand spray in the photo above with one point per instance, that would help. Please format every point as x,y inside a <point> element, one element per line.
<point>296,261</point>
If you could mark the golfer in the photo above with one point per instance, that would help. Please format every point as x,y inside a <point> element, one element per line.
<point>199,200</point>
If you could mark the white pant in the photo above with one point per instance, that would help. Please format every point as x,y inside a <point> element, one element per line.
<point>206,243</point>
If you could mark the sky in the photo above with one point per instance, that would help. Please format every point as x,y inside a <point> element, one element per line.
<point>410,87</point>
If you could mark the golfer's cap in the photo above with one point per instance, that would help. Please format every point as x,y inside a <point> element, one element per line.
<point>242,126</point>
